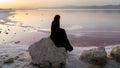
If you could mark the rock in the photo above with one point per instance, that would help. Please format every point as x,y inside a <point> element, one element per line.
<point>4,56</point>
<point>56,65</point>
<point>21,59</point>
<point>16,57</point>
<point>115,53</point>
<point>96,56</point>
<point>17,42</point>
<point>9,60</point>
<point>94,66</point>
<point>45,51</point>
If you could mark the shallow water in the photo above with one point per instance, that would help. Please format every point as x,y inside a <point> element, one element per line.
<point>29,26</point>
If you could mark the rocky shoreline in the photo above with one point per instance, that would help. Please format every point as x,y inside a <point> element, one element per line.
<point>17,56</point>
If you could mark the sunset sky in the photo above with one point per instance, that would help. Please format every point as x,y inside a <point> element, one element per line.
<point>53,3</point>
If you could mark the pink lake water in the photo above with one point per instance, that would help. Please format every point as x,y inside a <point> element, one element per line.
<point>83,27</point>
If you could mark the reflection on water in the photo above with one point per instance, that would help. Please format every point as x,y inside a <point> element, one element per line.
<point>28,26</point>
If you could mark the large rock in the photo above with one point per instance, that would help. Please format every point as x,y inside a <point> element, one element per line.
<point>96,56</point>
<point>45,53</point>
<point>115,53</point>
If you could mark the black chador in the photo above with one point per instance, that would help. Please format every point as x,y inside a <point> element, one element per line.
<point>58,35</point>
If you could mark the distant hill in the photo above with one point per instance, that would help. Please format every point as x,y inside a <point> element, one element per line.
<point>6,10</point>
<point>88,7</point>
<point>73,7</point>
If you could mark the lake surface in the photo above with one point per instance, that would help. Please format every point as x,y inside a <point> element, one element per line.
<point>83,27</point>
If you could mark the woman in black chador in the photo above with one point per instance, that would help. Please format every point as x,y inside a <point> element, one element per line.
<point>58,35</point>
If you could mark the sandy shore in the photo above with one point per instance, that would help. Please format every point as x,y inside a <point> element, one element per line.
<point>22,58</point>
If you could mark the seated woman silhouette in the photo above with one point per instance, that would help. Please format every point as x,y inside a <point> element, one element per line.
<point>58,35</point>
